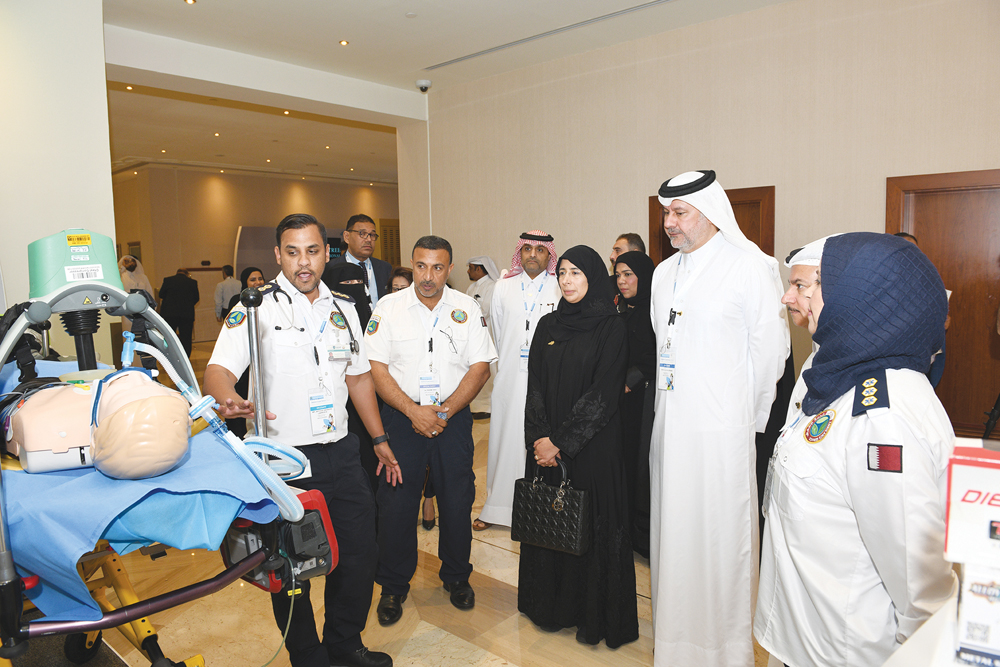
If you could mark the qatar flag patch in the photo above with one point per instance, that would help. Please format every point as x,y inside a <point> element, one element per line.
<point>885,458</point>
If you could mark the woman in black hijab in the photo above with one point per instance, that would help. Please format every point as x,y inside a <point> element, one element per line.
<point>634,271</point>
<point>250,277</point>
<point>576,375</point>
<point>349,279</point>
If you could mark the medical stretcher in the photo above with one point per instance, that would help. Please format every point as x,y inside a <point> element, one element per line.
<point>258,545</point>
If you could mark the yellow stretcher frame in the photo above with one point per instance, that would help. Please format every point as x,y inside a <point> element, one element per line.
<point>113,574</point>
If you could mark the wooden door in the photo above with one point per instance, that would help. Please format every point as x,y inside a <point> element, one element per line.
<point>754,211</point>
<point>956,220</point>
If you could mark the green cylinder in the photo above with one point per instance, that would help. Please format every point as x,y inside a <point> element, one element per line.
<point>72,255</point>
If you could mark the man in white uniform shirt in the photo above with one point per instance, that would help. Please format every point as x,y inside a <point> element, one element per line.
<point>430,354</point>
<point>722,340</point>
<point>484,275</point>
<point>524,295</point>
<point>311,359</point>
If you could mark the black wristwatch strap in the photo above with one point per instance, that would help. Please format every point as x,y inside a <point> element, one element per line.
<point>379,440</point>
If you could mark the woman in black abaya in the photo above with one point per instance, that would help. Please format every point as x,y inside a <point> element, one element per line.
<point>250,277</point>
<point>634,271</point>
<point>576,375</point>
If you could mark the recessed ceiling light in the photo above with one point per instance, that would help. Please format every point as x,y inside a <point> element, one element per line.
<point>411,15</point>
<point>303,178</point>
<point>136,173</point>
<point>269,159</point>
<point>327,146</point>
<point>163,150</point>
<point>352,168</point>
<point>222,171</point>
<point>216,134</point>
<point>371,184</point>
<point>190,2</point>
<point>128,87</point>
<point>286,113</point>
<point>344,42</point>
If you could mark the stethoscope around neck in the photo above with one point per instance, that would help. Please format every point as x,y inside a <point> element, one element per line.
<point>355,345</point>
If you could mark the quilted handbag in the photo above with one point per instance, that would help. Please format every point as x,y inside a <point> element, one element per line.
<point>553,517</point>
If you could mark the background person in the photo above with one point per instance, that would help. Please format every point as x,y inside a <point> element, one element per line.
<point>178,297</point>
<point>576,375</point>
<point>249,277</point>
<point>225,291</point>
<point>853,560</point>
<point>360,238</point>
<point>134,278</point>
<point>528,292</point>
<point>401,278</point>
<point>634,271</point>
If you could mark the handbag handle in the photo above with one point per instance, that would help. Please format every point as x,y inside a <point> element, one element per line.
<point>562,467</point>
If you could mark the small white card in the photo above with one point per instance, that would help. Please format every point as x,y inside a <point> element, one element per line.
<point>665,372</point>
<point>524,359</point>
<point>430,388</point>
<point>321,416</point>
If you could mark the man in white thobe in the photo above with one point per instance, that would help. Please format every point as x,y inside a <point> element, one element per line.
<point>520,299</point>
<point>722,340</point>
<point>484,274</point>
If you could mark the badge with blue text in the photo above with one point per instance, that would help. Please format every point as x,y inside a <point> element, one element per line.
<point>819,426</point>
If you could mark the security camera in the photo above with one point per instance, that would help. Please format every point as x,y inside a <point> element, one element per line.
<point>424,85</point>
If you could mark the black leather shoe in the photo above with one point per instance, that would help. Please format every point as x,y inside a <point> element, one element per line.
<point>363,658</point>
<point>462,595</point>
<point>390,609</point>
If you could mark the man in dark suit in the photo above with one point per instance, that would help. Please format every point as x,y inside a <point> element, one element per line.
<point>178,296</point>
<point>360,238</point>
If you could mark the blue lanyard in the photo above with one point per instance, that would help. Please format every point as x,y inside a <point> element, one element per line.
<point>527,313</point>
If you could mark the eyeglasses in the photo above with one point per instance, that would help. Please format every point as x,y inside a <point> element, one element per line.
<point>368,236</point>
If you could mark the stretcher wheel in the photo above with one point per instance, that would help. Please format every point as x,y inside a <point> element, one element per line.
<point>76,648</point>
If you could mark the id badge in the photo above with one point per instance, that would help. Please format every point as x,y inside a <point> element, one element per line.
<point>665,371</point>
<point>338,352</point>
<point>430,388</point>
<point>321,416</point>
<point>524,359</point>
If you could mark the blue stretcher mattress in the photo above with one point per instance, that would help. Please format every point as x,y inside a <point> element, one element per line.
<point>56,517</point>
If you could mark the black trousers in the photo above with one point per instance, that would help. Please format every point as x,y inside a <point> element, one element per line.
<point>337,473</point>
<point>184,330</point>
<point>449,456</point>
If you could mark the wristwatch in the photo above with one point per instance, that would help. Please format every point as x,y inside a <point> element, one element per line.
<point>379,440</point>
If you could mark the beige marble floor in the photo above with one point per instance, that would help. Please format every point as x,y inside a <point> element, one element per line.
<point>234,628</point>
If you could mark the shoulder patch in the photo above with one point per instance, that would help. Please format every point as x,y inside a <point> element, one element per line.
<point>870,392</point>
<point>482,318</point>
<point>235,319</point>
<point>885,458</point>
<point>337,320</point>
<point>373,325</point>
<point>342,296</point>
<point>819,426</point>
<point>459,315</point>
<point>267,287</point>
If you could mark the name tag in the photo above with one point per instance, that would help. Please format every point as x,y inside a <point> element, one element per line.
<point>430,388</point>
<point>524,358</point>
<point>321,415</point>
<point>338,352</point>
<point>665,371</point>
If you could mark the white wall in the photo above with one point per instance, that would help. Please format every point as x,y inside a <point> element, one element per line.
<point>56,167</point>
<point>823,100</point>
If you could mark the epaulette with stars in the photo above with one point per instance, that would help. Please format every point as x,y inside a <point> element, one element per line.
<point>342,296</point>
<point>871,392</point>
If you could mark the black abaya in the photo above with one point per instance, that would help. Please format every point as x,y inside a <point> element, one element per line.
<point>574,387</point>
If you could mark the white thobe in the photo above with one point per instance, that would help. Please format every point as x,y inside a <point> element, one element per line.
<point>730,343</point>
<point>516,301</point>
<point>482,292</point>
<point>853,560</point>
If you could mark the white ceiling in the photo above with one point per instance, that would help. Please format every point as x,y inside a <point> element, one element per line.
<point>386,47</point>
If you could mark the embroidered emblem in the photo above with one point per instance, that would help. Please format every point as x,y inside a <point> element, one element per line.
<point>870,382</point>
<point>868,401</point>
<point>870,391</point>
<point>373,324</point>
<point>459,316</point>
<point>885,458</point>
<point>819,426</point>
<point>337,320</point>
<point>483,320</point>
<point>235,319</point>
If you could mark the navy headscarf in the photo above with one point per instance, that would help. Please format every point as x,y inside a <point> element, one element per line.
<point>596,305</point>
<point>884,307</point>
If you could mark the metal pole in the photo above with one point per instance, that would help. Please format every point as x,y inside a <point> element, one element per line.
<point>252,298</point>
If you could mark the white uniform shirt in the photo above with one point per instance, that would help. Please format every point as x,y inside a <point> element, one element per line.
<point>224,293</point>
<point>294,362</point>
<point>482,292</point>
<point>401,329</point>
<point>853,559</point>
